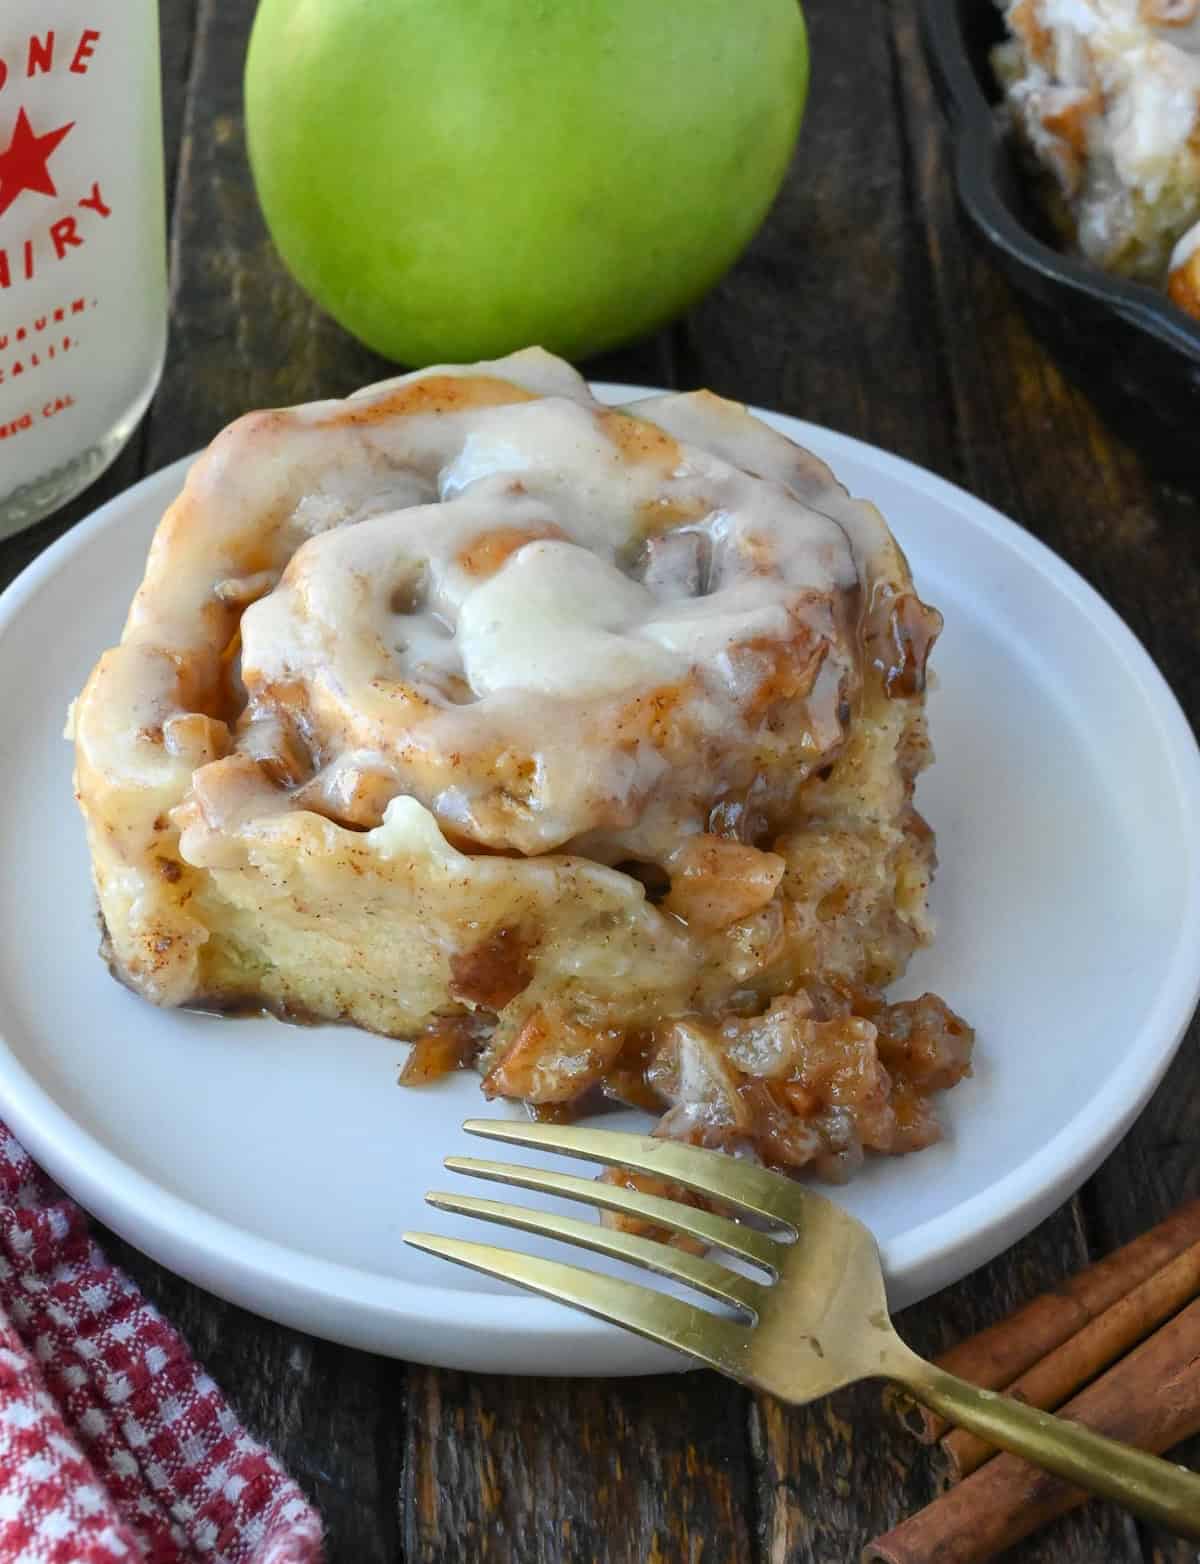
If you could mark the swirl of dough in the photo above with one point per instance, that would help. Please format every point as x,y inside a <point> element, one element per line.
<point>548,621</point>
<point>470,703</point>
<point>472,650</point>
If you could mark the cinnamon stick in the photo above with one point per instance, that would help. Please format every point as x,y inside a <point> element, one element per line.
<point>1151,1399</point>
<point>996,1356</point>
<point>1048,1383</point>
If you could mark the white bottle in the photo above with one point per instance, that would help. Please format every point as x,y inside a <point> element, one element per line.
<point>82,243</point>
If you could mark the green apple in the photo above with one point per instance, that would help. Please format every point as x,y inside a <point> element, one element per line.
<point>452,179</point>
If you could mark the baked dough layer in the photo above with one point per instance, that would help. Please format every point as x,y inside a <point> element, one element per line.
<point>575,743</point>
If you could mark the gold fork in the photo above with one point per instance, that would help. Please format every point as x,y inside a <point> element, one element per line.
<point>815,1321</point>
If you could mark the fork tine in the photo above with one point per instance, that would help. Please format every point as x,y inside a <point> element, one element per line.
<point>680,1266</point>
<point>717,1231</point>
<point>712,1172</point>
<point>721,1343</point>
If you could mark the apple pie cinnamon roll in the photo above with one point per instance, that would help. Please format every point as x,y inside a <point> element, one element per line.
<point>573,743</point>
<point>1105,95</point>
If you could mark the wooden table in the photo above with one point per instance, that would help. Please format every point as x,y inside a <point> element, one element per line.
<point>861,306</point>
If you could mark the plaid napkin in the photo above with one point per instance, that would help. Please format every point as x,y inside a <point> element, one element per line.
<point>114,1445</point>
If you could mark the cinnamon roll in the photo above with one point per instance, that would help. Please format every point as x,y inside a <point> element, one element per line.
<point>1105,96</point>
<point>574,743</point>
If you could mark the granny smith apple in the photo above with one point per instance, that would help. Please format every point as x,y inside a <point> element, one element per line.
<point>452,179</point>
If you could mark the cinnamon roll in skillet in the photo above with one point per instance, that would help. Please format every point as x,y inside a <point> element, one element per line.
<point>1104,96</point>
<point>570,743</point>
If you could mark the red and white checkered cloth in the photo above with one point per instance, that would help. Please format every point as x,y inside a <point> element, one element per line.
<point>115,1446</point>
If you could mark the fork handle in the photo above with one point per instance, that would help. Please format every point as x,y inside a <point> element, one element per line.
<point>1155,1489</point>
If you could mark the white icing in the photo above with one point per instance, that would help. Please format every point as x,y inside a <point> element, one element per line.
<point>702,629</point>
<point>408,830</point>
<point>1187,246</point>
<point>556,620</point>
<point>539,618</point>
<point>1153,90</point>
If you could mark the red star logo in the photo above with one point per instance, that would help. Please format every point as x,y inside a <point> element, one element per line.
<point>23,162</point>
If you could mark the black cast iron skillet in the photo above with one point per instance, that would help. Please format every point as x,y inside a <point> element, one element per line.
<point>1114,336</point>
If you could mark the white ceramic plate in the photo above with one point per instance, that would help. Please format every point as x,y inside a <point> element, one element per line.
<point>279,1165</point>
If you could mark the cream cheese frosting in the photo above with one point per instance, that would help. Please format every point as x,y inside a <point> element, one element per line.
<point>470,709</point>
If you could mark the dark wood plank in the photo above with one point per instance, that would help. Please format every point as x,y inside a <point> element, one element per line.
<point>527,1471</point>
<point>827,314</point>
<point>1153,1169</point>
<point>177,40</point>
